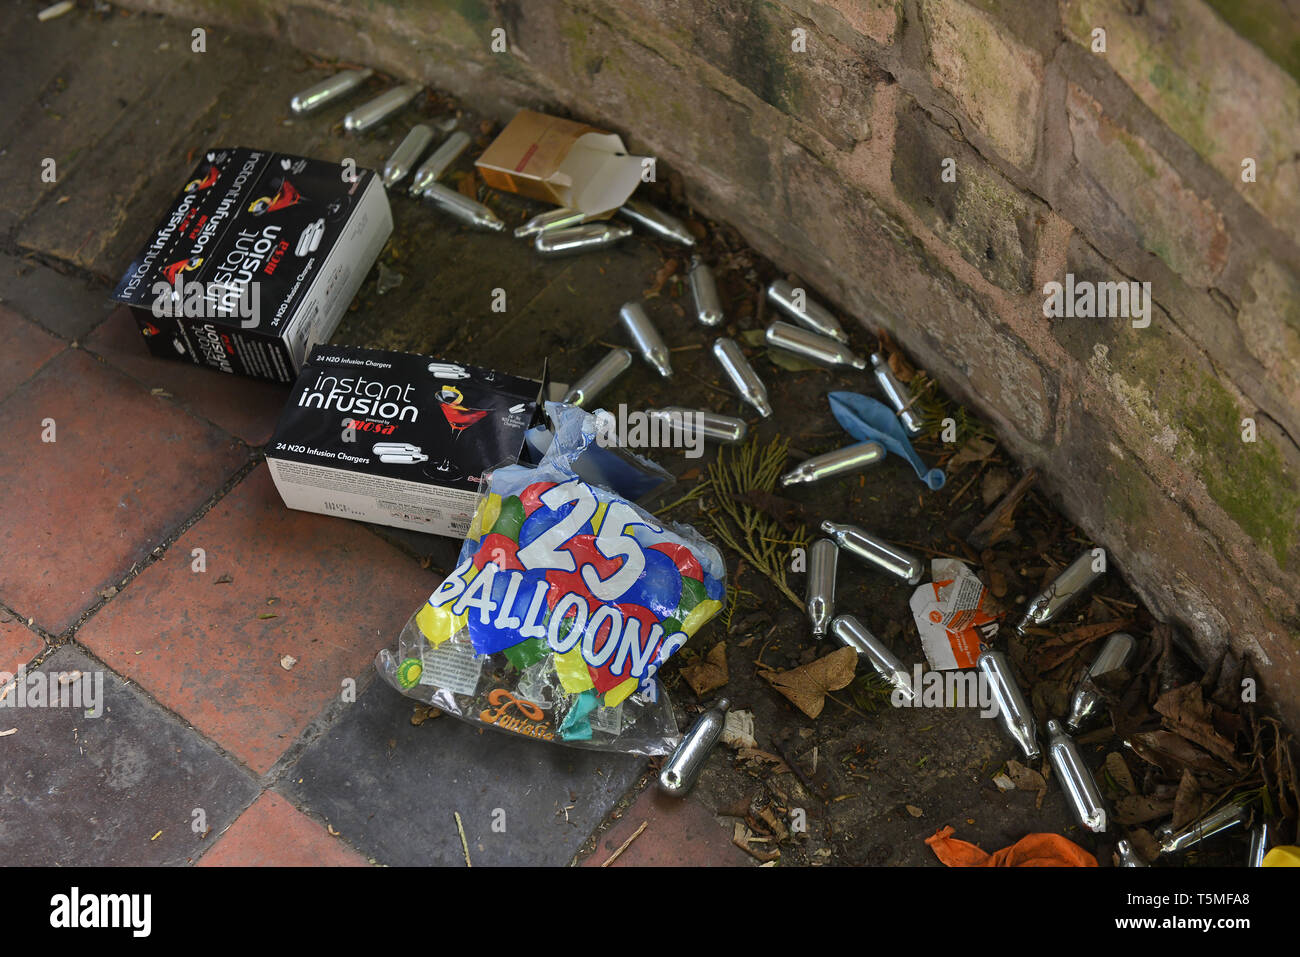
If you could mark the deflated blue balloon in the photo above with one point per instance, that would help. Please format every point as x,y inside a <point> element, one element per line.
<point>870,421</point>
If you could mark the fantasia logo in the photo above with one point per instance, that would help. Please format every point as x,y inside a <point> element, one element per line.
<point>531,719</point>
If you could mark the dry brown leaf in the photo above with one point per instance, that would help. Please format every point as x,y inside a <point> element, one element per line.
<point>1050,653</point>
<point>1119,773</point>
<point>994,485</point>
<point>778,764</point>
<point>1187,714</point>
<point>704,676</point>
<point>1027,779</point>
<point>661,276</point>
<point>976,449</point>
<point>807,685</point>
<point>1144,844</point>
<point>1171,753</point>
<point>1187,802</point>
<point>1137,809</point>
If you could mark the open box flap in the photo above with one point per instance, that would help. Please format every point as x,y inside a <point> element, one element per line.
<point>597,175</point>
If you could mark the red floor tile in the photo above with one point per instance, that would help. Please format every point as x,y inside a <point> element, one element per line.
<point>679,832</point>
<point>26,348</point>
<point>340,594</point>
<point>273,833</point>
<point>245,407</point>
<point>18,643</point>
<point>125,469</point>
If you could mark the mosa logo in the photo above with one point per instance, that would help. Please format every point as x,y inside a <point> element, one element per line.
<point>74,910</point>
<point>531,719</point>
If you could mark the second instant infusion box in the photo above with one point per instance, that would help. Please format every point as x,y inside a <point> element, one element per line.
<point>397,439</point>
<point>256,261</point>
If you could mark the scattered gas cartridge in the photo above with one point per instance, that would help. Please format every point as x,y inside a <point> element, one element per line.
<point>598,378</point>
<point>711,426</point>
<point>875,551</point>
<point>819,596</point>
<point>1114,654</point>
<point>580,239</point>
<point>657,221</point>
<point>646,337</point>
<point>742,375</point>
<point>682,769</point>
<point>432,169</point>
<point>1067,588</point>
<point>1017,720</point>
<point>845,461</point>
<point>371,114</point>
<point>468,211</point>
<point>407,154</point>
<point>327,91</point>
<point>704,293</point>
<point>853,634</point>
<point>895,393</point>
<point>815,348</point>
<point>812,316</point>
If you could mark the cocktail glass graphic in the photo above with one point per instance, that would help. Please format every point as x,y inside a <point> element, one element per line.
<point>452,403</point>
<point>287,195</point>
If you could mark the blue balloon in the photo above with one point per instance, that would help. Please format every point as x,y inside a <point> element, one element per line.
<point>659,587</point>
<point>543,518</point>
<point>488,638</point>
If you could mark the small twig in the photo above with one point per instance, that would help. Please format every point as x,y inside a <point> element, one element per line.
<point>962,491</point>
<point>848,707</point>
<point>797,771</point>
<point>463,843</point>
<point>981,535</point>
<point>624,846</point>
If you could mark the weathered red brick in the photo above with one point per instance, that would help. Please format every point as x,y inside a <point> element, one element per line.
<point>125,469</point>
<point>273,833</point>
<point>334,593</point>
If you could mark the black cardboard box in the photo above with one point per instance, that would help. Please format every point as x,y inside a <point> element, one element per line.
<point>256,261</point>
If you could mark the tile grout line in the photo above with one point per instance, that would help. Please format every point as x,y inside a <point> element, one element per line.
<point>262,782</point>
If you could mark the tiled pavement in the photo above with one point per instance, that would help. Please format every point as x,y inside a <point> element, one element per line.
<point>141,539</point>
<point>148,544</point>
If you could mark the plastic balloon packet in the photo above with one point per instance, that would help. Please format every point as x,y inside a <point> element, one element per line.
<point>566,601</point>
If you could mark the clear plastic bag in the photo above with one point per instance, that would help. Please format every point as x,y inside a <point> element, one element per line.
<point>565,602</point>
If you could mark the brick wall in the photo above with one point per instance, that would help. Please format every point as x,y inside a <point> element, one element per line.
<point>1122,165</point>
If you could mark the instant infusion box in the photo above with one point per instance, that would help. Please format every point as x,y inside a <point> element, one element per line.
<point>256,261</point>
<point>397,439</point>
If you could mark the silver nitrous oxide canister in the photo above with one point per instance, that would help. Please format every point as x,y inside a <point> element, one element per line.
<point>812,316</point>
<point>815,348</point>
<point>1077,782</point>
<point>683,767</point>
<point>875,551</point>
<point>742,375</point>
<point>1017,720</point>
<point>598,378</point>
<point>646,337</point>
<point>843,461</point>
<point>370,114</point>
<point>327,91</point>
<point>853,634</point>
<point>819,596</point>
